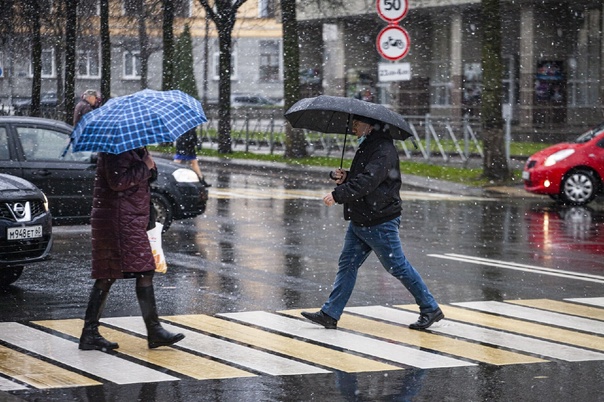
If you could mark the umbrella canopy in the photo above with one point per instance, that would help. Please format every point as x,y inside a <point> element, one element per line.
<point>133,121</point>
<point>332,114</point>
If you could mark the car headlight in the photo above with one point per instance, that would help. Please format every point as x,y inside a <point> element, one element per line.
<point>558,156</point>
<point>185,176</point>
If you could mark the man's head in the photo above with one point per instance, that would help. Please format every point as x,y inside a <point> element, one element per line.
<point>362,125</point>
<point>90,96</point>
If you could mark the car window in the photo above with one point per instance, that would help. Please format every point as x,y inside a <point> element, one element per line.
<point>42,143</point>
<point>4,156</point>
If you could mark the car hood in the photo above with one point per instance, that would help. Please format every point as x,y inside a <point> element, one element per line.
<point>544,153</point>
<point>11,186</point>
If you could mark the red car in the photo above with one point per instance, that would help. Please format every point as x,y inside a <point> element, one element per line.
<point>570,172</point>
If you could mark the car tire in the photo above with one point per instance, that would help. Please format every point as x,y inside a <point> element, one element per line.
<point>9,275</point>
<point>579,187</point>
<point>163,207</point>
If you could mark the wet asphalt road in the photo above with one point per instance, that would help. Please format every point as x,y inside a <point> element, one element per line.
<point>267,244</point>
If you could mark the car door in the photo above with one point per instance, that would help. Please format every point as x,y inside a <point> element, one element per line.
<point>67,180</point>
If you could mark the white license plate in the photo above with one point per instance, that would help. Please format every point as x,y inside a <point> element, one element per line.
<point>526,175</point>
<point>24,233</point>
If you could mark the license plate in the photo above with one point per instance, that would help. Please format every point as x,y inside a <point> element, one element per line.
<point>526,175</point>
<point>24,233</point>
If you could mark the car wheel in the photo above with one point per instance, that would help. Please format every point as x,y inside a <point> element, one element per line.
<point>579,187</point>
<point>163,209</point>
<point>9,275</point>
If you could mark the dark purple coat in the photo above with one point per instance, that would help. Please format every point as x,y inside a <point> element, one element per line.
<point>120,214</point>
<point>80,110</point>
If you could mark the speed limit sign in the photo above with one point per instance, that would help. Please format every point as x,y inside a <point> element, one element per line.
<point>392,11</point>
<point>393,43</point>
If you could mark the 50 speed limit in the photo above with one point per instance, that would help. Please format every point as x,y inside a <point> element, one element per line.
<point>392,11</point>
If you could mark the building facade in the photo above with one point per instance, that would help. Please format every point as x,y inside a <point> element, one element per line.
<point>257,51</point>
<point>553,53</point>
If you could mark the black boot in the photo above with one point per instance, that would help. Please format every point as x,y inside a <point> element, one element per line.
<point>91,339</point>
<point>156,335</point>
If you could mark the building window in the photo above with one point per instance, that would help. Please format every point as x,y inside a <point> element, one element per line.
<point>1,65</point>
<point>584,66</point>
<point>88,63</point>
<point>266,8</point>
<point>132,65</point>
<point>48,64</point>
<point>130,8</point>
<point>269,61</point>
<point>89,8</point>
<point>182,8</point>
<point>216,65</point>
<point>440,84</point>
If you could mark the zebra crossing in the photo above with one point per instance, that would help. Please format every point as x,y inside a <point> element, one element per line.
<point>44,355</point>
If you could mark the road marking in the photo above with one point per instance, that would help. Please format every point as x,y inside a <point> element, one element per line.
<point>38,373</point>
<point>521,267</point>
<point>281,344</point>
<point>318,194</point>
<point>352,342</point>
<point>561,307</point>
<point>427,340</point>
<point>227,351</point>
<point>488,336</point>
<point>248,344</point>
<point>102,365</point>
<point>531,314</point>
<point>172,359</point>
<point>592,301</point>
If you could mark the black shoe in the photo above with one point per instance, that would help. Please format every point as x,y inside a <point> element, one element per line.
<point>322,319</point>
<point>426,319</point>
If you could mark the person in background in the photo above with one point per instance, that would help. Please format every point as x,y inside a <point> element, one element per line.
<point>120,245</point>
<point>370,192</point>
<point>186,151</point>
<point>88,102</point>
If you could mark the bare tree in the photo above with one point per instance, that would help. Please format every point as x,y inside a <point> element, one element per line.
<point>168,36</point>
<point>70,57</point>
<point>223,13</point>
<point>105,52</point>
<point>33,10</point>
<point>495,165</point>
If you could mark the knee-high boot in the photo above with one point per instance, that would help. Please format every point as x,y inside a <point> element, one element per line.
<point>91,339</point>
<point>156,335</point>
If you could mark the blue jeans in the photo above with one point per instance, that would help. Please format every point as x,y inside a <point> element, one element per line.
<point>384,240</point>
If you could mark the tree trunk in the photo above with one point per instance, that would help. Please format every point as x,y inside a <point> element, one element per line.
<point>224,92</point>
<point>105,52</point>
<point>70,58</point>
<point>36,59</point>
<point>495,163</point>
<point>143,40</point>
<point>168,41</point>
<point>295,144</point>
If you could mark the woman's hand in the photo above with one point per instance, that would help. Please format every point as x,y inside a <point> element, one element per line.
<point>149,161</point>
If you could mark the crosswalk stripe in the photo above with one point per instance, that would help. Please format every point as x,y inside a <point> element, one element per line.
<point>592,301</point>
<point>531,314</point>
<point>426,340</point>
<point>488,336</point>
<point>227,351</point>
<point>38,373</point>
<point>536,330</point>
<point>102,365</point>
<point>561,307</point>
<point>281,344</point>
<point>352,342</point>
<point>8,385</point>
<point>172,359</point>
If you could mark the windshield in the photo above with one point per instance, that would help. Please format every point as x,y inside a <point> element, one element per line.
<point>590,134</point>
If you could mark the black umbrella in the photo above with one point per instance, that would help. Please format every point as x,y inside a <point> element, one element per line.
<point>333,114</point>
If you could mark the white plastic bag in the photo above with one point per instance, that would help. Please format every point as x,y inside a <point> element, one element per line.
<point>158,253</point>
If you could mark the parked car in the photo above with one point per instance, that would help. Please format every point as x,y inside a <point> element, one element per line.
<point>47,99</point>
<point>244,100</point>
<point>570,172</point>
<point>25,227</point>
<point>33,148</point>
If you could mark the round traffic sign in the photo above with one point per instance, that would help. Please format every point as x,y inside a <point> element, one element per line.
<point>392,11</point>
<point>393,42</point>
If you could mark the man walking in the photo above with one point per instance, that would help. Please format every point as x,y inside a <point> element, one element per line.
<point>372,204</point>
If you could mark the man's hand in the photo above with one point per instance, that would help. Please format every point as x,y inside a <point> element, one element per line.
<point>328,200</point>
<point>339,175</point>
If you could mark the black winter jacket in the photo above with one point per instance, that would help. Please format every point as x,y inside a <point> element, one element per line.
<point>371,192</point>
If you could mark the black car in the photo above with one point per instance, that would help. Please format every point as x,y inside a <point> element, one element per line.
<point>47,100</point>
<point>33,148</point>
<point>25,227</point>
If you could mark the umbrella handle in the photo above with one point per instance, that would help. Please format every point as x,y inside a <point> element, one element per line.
<point>66,148</point>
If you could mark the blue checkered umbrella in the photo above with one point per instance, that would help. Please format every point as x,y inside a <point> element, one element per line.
<point>133,121</point>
